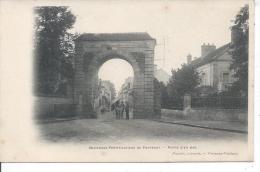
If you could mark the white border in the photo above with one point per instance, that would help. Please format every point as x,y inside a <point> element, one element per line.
<point>168,167</point>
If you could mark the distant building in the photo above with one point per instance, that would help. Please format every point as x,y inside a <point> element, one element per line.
<point>214,67</point>
<point>104,96</point>
<point>126,91</point>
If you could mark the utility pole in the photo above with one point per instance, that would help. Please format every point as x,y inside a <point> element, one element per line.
<point>163,54</point>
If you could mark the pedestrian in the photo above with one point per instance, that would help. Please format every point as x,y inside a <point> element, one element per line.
<point>126,107</point>
<point>116,106</point>
<point>121,109</point>
<point>113,109</point>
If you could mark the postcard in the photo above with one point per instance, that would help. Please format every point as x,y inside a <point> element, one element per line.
<point>126,81</point>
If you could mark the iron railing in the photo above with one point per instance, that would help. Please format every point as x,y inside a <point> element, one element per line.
<point>223,102</point>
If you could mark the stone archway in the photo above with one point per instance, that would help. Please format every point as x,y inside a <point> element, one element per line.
<point>92,50</point>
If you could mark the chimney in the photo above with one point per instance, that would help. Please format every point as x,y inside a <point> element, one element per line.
<point>207,48</point>
<point>235,34</point>
<point>189,58</point>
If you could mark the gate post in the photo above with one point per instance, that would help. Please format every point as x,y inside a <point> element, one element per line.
<point>187,102</point>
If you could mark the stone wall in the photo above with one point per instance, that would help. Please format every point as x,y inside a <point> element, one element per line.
<point>208,114</point>
<point>53,107</point>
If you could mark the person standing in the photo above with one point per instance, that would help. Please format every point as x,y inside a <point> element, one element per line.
<point>113,109</point>
<point>117,109</point>
<point>121,110</point>
<point>126,107</point>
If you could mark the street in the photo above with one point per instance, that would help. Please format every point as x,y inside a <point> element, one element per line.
<point>107,129</point>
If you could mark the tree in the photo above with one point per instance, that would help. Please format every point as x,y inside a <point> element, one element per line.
<point>183,80</point>
<point>165,101</point>
<point>54,49</point>
<point>239,51</point>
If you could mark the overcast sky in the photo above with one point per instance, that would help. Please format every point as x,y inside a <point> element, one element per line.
<point>116,71</point>
<point>180,27</point>
<point>184,25</point>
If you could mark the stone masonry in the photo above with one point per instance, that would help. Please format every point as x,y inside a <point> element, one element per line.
<point>92,50</point>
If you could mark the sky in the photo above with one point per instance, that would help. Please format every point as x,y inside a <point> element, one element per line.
<point>179,27</point>
<point>120,70</point>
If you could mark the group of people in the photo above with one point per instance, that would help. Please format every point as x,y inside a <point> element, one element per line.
<point>119,108</point>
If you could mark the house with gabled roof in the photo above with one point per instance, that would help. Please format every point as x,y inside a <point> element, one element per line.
<point>214,67</point>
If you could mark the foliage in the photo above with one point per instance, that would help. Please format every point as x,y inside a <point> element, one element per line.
<point>239,51</point>
<point>165,101</point>
<point>183,80</point>
<point>54,49</point>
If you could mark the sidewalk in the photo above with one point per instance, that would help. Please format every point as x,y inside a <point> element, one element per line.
<point>229,126</point>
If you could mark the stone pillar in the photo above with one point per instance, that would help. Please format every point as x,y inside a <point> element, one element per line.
<point>138,96</point>
<point>149,81</point>
<point>149,86</point>
<point>187,102</point>
<point>78,80</point>
<point>82,82</point>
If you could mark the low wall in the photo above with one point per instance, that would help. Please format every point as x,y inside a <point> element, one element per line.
<point>53,100</point>
<point>170,113</point>
<point>217,114</point>
<point>53,107</point>
<point>208,114</point>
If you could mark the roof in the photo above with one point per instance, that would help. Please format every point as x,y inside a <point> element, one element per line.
<point>211,56</point>
<point>135,36</point>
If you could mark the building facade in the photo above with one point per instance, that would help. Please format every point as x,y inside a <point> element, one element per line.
<point>126,92</point>
<point>214,67</point>
<point>104,97</point>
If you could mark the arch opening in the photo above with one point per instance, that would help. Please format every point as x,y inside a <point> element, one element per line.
<point>116,70</point>
<point>114,95</point>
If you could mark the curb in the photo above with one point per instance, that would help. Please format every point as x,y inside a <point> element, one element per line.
<point>57,120</point>
<point>206,127</point>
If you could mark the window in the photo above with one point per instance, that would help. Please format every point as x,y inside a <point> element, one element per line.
<point>225,77</point>
<point>203,79</point>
